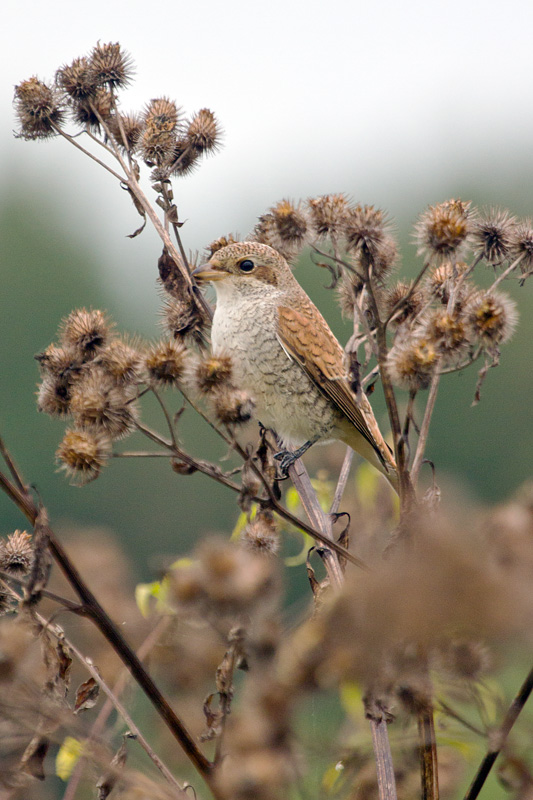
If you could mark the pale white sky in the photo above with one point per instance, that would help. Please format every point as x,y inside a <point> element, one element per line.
<point>396,103</point>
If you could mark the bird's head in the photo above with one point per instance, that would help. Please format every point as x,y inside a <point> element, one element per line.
<point>245,263</point>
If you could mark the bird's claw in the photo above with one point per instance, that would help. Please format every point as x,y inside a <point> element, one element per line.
<point>286,460</point>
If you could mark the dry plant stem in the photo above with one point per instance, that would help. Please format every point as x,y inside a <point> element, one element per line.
<point>384,765</point>
<point>424,430</point>
<point>86,152</point>
<point>103,622</point>
<point>98,725</point>
<point>507,272</point>
<point>343,479</point>
<point>428,755</point>
<point>499,737</point>
<point>401,303</point>
<point>15,474</point>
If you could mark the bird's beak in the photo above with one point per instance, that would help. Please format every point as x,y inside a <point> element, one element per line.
<point>205,272</point>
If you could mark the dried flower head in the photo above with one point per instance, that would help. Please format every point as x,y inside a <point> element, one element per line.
<point>349,289</point>
<point>492,317</point>
<point>157,144</point>
<point>162,114</point>
<point>53,396</point>
<point>123,361</point>
<point>212,373</point>
<point>444,277</point>
<point>492,235</point>
<point>261,535</point>
<point>110,65</point>
<point>82,454</point>
<point>90,112</point>
<point>165,362</point>
<point>222,241</point>
<point>126,130</point>
<point>183,319</point>
<point>365,228</point>
<point>290,222</point>
<point>77,79</point>
<point>442,229</point>
<point>407,302</point>
<point>16,553</point>
<point>184,158</point>
<point>412,362</point>
<point>522,244</point>
<point>328,214</point>
<point>98,402</point>
<point>58,361</point>
<point>86,332</point>
<point>448,332</point>
<point>203,133</point>
<point>233,407</point>
<point>38,109</point>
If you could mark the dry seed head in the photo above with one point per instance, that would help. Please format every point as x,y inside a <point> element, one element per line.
<point>90,111</point>
<point>266,232</point>
<point>182,319</point>
<point>442,229</point>
<point>132,127</point>
<point>110,65</point>
<point>442,279</point>
<point>98,402</point>
<point>53,396</point>
<point>203,133</point>
<point>82,454</point>
<point>448,332</point>
<point>492,235</point>
<point>38,109</point>
<point>365,228</point>
<point>76,79</point>
<point>58,361</point>
<point>161,114</point>
<point>184,158</point>
<point>261,535</point>
<point>165,362</point>
<point>16,553</point>
<point>157,146</point>
<point>522,244</point>
<point>492,317</point>
<point>212,373</point>
<point>385,256</point>
<point>412,362</point>
<point>328,214</point>
<point>85,332</point>
<point>412,303</point>
<point>349,289</point>
<point>218,244</point>
<point>290,222</point>
<point>233,407</point>
<point>123,361</point>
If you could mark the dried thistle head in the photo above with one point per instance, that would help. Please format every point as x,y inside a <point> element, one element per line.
<point>90,112</point>
<point>261,534</point>
<point>328,214</point>
<point>82,454</point>
<point>53,396</point>
<point>449,333</point>
<point>16,553</point>
<point>110,65</point>
<point>58,361</point>
<point>444,277</point>
<point>290,222</point>
<point>222,241</point>
<point>86,332</point>
<point>123,360</point>
<point>365,228</point>
<point>77,79</point>
<point>38,109</point>
<point>126,130</point>
<point>233,407</point>
<point>203,132</point>
<point>408,303</point>
<point>165,362</point>
<point>182,319</point>
<point>212,373</point>
<point>99,403</point>
<point>522,244</point>
<point>267,230</point>
<point>349,288</point>
<point>412,362</point>
<point>492,235</point>
<point>184,158</point>
<point>492,317</point>
<point>443,228</point>
<point>162,115</point>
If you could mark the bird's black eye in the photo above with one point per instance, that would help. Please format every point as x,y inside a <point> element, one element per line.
<point>246,265</point>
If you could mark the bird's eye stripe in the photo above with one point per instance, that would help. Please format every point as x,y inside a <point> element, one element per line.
<point>247,265</point>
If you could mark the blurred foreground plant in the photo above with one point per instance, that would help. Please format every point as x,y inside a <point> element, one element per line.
<point>397,639</point>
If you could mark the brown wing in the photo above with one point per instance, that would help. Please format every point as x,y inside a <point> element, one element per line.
<point>305,336</point>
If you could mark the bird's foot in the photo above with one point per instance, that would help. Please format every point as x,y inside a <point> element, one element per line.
<point>287,458</point>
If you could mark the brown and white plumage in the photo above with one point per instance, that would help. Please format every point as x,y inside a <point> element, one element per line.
<point>286,356</point>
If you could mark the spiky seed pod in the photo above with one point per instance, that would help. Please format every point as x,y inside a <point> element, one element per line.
<point>443,228</point>
<point>86,332</point>
<point>262,534</point>
<point>412,362</point>
<point>128,124</point>
<point>77,79</point>
<point>123,361</point>
<point>110,65</point>
<point>90,112</point>
<point>166,362</point>
<point>53,396</point>
<point>233,407</point>
<point>385,257</point>
<point>212,373</point>
<point>365,228</point>
<point>492,317</point>
<point>448,332</point>
<point>290,222</point>
<point>82,454</point>
<point>38,109</point>
<point>328,214</point>
<point>97,402</point>
<point>218,244</point>
<point>266,232</point>
<point>184,158</point>
<point>162,114</point>
<point>442,279</point>
<point>157,146</point>
<point>492,235</point>
<point>410,303</point>
<point>58,361</point>
<point>16,553</point>
<point>203,132</point>
<point>522,244</point>
<point>183,320</point>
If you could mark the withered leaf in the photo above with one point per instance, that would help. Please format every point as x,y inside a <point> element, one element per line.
<point>32,760</point>
<point>107,782</point>
<point>86,695</point>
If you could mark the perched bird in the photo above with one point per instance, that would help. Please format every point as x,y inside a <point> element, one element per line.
<point>285,355</point>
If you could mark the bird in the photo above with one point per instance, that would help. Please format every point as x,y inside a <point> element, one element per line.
<point>285,355</point>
